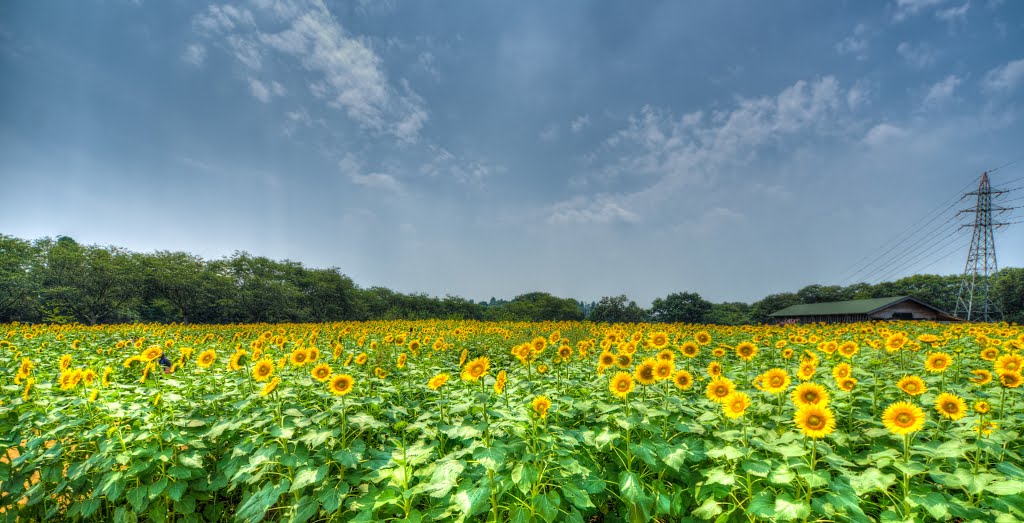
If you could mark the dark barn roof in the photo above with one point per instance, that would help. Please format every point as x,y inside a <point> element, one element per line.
<point>851,307</point>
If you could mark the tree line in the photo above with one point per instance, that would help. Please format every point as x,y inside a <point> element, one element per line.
<point>61,280</point>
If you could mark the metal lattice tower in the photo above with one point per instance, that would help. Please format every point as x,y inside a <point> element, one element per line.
<point>974,301</point>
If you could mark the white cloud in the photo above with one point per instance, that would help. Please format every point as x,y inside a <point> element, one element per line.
<point>443,163</point>
<point>941,92</point>
<point>884,133</point>
<point>953,14</point>
<point>349,75</point>
<point>908,8</point>
<point>428,62</point>
<point>381,181</point>
<point>579,123</point>
<point>918,56</point>
<point>352,167</point>
<point>602,210</point>
<point>1005,77</point>
<point>855,44</point>
<point>194,54</point>
<point>265,91</point>
<point>664,153</point>
<point>858,95</point>
<point>259,90</point>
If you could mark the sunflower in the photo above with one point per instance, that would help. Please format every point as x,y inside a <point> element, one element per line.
<point>361,358</point>
<point>985,428</point>
<point>541,404</point>
<point>664,369</point>
<point>689,349</point>
<point>682,380</point>
<point>902,418</point>
<point>982,407</point>
<point>714,369</point>
<point>719,388</point>
<point>718,352</point>
<point>313,353</point>
<point>809,394</point>
<point>895,342</point>
<point>848,349</point>
<point>299,357</point>
<point>787,353</point>
<point>644,372</point>
<point>402,359</point>
<point>735,404</point>
<point>989,353</point>
<point>912,385</point>
<point>65,361</point>
<point>937,362</point>
<point>842,370</point>
<point>414,345</point>
<point>1009,363</point>
<point>1010,380</point>
<point>28,388</point>
<point>621,384</point>
<point>476,368</point>
<point>438,381</point>
<point>950,406</point>
<point>152,353</point>
<point>623,360</point>
<point>659,339</point>
<point>746,351</point>
<point>105,378</point>
<point>806,371</point>
<point>499,382</point>
<point>775,381</point>
<point>565,352</point>
<point>666,355</point>
<point>206,358</point>
<point>928,338</point>
<point>702,337</point>
<point>606,359</point>
<point>88,376</point>
<point>270,386</point>
<point>262,370</point>
<point>341,384</point>
<point>321,372</point>
<point>847,384</point>
<point>815,421</point>
<point>380,373</point>
<point>542,369</point>
<point>981,377</point>
<point>539,344</point>
<point>235,362</point>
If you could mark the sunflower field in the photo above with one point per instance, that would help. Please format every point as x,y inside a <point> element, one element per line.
<point>452,420</point>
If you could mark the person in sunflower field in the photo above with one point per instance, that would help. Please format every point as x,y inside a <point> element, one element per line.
<point>165,363</point>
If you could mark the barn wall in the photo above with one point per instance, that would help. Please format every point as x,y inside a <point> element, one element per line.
<point>919,311</point>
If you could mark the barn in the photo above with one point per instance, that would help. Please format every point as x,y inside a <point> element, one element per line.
<point>875,309</point>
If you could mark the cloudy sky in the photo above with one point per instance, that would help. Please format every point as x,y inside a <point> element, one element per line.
<point>488,149</point>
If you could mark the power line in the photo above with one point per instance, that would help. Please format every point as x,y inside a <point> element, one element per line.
<point>897,258</point>
<point>900,237</point>
<point>923,255</point>
<point>954,251</point>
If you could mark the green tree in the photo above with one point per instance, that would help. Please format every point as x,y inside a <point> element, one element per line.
<point>734,313</point>
<point>617,309</point>
<point>680,307</point>
<point>1009,294</point>
<point>95,284</point>
<point>538,306</point>
<point>19,282</point>
<point>185,282</point>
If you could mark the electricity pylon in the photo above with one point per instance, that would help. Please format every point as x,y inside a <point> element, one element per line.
<point>974,301</point>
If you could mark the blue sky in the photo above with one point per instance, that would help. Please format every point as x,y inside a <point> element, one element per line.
<point>489,149</point>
